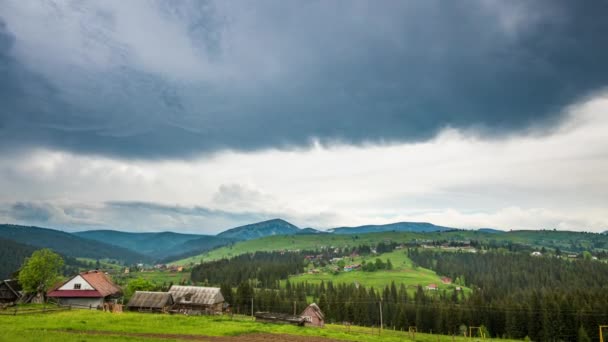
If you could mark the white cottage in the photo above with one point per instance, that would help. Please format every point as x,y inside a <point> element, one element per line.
<point>86,290</point>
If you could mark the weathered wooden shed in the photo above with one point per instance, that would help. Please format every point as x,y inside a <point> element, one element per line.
<point>197,299</point>
<point>10,291</point>
<point>274,317</point>
<point>313,316</point>
<point>147,301</point>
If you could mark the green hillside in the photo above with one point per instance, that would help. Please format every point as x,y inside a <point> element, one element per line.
<point>85,325</point>
<point>12,255</point>
<point>403,272</point>
<point>566,241</point>
<point>68,244</point>
<point>157,246</point>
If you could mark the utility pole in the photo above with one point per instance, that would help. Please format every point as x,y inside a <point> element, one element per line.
<point>294,307</point>
<point>381,326</point>
<point>252,308</point>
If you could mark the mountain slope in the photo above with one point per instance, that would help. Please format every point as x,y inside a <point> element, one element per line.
<point>416,227</point>
<point>12,255</point>
<point>68,244</point>
<point>154,245</point>
<point>261,229</point>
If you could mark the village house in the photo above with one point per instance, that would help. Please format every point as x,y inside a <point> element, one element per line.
<point>10,291</point>
<point>197,299</point>
<point>147,301</point>
<point>352,267</point>
<point>432,287</point>
<point>313,316</point>
<point>86,290</point>
<point>536,253</point>
<point>446,280</point>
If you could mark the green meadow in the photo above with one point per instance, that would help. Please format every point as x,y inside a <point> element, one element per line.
<point>564,240</point>
<point>85,325</point>
<point>403,272</point>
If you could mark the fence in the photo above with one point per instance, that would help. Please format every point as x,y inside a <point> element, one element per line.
<point>25,310</point>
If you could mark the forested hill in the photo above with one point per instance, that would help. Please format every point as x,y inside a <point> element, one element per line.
<point>419,227</point>
<point>12,255</point>
<point>157,245</point>
<point>261,229</point>
<point>68,244</point>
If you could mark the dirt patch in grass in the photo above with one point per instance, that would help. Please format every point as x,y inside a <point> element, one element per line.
<point>240,338</point>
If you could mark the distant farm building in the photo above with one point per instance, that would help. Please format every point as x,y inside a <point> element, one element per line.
<point>197,299</point>
<point>536,253</point>
<point>446,280</point>
<point>432,287</point>
<point>313,316</point>
<point>146,301</point>
<point>273,317</point>
<point>87,290</point>
<point>10,291</point>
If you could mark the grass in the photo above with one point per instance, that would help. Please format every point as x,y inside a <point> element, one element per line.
<point>565,240</point>
<point>403,272</point>
<point>72,325</point>
<point>156,277</point>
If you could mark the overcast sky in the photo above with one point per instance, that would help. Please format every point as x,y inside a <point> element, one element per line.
<point>198,116</point>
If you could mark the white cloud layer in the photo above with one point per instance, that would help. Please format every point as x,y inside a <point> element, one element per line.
<point>530,181</point>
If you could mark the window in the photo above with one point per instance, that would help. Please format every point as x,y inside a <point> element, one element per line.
<point>76,286</point>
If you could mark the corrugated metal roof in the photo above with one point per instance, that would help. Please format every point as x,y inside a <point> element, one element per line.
<point>148,299</point>
<point>196,295</point>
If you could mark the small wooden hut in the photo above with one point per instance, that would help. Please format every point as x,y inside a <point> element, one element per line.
<point>10,291</point>
<point>313,316</point>
<point>197,299</point>
<point>147,301</point>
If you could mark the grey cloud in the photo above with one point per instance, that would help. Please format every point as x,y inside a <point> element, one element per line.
<point>128,216</point>
<point>286,73</point>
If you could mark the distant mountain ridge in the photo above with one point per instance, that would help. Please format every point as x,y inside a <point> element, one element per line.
<point>132,247</point>
<point>417,227</point>
<point>68,244</point>
<point>261,229</point>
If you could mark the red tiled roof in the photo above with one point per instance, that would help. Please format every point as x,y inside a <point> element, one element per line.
<point>100,282</point>
<point>75,293</point>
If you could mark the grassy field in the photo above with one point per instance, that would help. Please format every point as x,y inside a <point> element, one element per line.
<point>84,325</point>
<point>566,241</point>
<point>303,242</point>
<point>156,277</point>
<point>403,272</point>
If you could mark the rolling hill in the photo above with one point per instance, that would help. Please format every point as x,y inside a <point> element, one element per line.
<point>261,229</point>
<point>12,255</point>
<point>68,244</point>
<point>418,227</point>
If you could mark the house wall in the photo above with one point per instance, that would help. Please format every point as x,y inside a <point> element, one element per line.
<point>311,318</point>
<point>83,303</point>
<point>76,280</point>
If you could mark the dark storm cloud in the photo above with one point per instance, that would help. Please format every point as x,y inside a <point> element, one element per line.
<point>291,72</point>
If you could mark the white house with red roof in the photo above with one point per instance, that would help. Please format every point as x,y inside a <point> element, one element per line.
<point>86,290</point>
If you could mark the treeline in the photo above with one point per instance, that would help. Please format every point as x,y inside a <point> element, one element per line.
<point>541,315</point>
<point>12,255</point>
<point>518,295</point>
<point>267,267</point>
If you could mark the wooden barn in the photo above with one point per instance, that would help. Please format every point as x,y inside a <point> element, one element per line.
<point>273,317</point>
<point>89,290</point>
<point>197,299</point>
<point>146,301</point>
<point>313,316</point>
<point>10,291</point>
